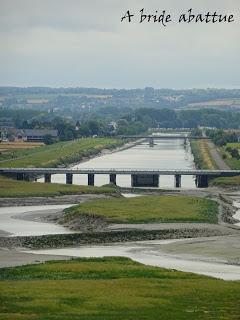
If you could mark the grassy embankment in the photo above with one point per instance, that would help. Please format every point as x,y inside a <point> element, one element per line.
<point>20,189</point>
<point>147,209</point>
<point>113,289</point>
<point>202,156</point>
<point>203,160</point>
<point>232,163</point>
<point>61,153</point>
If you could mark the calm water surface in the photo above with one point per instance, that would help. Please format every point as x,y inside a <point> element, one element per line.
<point>165,154</point>
<point>20,221</point>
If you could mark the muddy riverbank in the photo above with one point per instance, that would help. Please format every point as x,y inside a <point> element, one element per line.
<point>175,231</point>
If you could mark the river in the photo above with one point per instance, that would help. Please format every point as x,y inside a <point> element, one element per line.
<point>165,154</point>
<point>26,220</point>
<point>153,253</point>
<point>23,221</point>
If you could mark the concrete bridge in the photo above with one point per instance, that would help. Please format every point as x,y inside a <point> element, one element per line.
<point>163,137</point>
<point>139,177</point>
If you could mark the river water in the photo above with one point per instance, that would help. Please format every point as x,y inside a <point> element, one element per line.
<point>25,220</point>
<point>152,253</point>
<point>165,154</point>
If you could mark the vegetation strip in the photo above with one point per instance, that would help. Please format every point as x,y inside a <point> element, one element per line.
<point>146,209</point>
<point>113,288</point>
<point>12,189</point>
<point>203,160</point>
<point>202,157</point>
<point>61,153</point>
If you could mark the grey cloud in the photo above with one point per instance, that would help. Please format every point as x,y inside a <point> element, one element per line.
<point>58,14</point>
<point>83,42</point>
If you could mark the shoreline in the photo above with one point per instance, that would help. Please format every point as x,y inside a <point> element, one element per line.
<point>94,231</point>
<point>103,152</point>
<point>195,242</point>
<point>218,254</point>
<point>114,236</point>
<point>190,233</point>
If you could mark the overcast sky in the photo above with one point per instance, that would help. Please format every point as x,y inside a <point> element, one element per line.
<point>84,43</point>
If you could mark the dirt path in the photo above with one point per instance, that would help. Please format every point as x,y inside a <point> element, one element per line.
<point>217,157</point>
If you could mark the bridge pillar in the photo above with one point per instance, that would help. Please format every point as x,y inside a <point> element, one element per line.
<point>178,181</point>
<point>20,176</point>
<point>113,178</point>
<point>69,178</point>
<point>47,177</point>
<point>91,179</point>
<point>151,142</point>
<point>145,180</point>
<point>26,177</point>
<point>201,181</point>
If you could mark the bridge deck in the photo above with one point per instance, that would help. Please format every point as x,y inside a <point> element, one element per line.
<point>119,171</point>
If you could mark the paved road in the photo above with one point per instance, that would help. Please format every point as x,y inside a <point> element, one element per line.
<point>217,157</point>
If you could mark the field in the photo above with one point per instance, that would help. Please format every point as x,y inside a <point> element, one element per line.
<point>113,289</point>
<point>221,104</point>
<point>8,149</point>
<point>46,97</point>
<point>17,189</point>
<point>148,209</point>
<point>61,153</point>
<point>19,145</point>
<point>202,155</point>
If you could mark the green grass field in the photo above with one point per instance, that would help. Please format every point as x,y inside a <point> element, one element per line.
<point>147,209</point>
<point>61,153</point>
<point>113,289</point>
<point>12,188</point>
